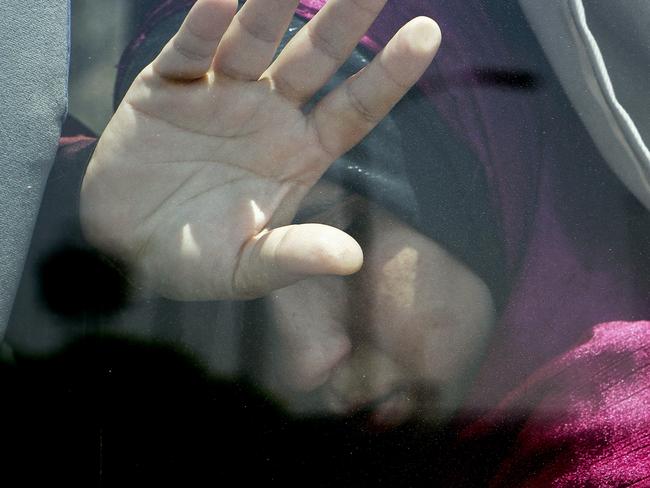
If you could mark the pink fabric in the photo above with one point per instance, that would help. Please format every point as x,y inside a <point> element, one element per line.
<point>589,420</point>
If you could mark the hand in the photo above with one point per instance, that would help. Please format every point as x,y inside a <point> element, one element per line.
<point>199,173</point>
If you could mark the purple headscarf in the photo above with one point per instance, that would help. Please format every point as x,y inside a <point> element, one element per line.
<point>569,259</point>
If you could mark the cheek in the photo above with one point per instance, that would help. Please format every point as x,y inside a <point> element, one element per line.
<point>425,309</point>
<point>397,279</point>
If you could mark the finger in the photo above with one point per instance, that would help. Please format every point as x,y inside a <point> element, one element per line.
<point>348,113</point>
<point>288,254</point>
<point>250,42</point>
<point>321,47</point>
<point>189,54</point>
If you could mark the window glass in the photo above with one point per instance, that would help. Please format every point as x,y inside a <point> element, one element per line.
<point>342,245</point>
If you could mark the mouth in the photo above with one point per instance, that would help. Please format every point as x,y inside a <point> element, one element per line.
<point>391,410</point>
<point>383,412</point>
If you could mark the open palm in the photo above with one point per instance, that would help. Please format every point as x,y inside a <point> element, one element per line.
<point>200,172</point>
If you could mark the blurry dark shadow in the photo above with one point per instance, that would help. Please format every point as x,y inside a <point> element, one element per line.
<point>491,77</point>
<point>109,412</point>
<point>82,284</point>
<point>504,78</point>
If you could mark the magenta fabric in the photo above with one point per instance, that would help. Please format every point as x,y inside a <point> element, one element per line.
<point>588,420</point>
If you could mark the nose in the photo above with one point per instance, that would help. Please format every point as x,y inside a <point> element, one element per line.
<point>367,376</point>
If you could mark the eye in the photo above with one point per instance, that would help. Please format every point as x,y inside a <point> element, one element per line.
<point>345,213</point>
<point>358,224</point>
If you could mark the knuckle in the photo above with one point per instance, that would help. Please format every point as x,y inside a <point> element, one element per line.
<point>257,29</point>
<point>289,88</point>
<point>369,6</point>
<point>325,45</point>
<point>362,109</point>
<point>187,52</point>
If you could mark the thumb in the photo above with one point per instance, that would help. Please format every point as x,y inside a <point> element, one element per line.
<point>282,256</point>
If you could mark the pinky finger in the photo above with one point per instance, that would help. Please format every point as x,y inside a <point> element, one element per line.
<point>188,55</point>
<point>348,113</point>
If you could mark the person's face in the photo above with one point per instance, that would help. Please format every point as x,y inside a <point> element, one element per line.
<point>399,338</point>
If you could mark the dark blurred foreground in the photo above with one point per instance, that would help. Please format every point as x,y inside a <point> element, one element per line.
<point>106,412</point>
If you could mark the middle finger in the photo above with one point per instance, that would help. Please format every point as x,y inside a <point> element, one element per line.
<point>321,47</point>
